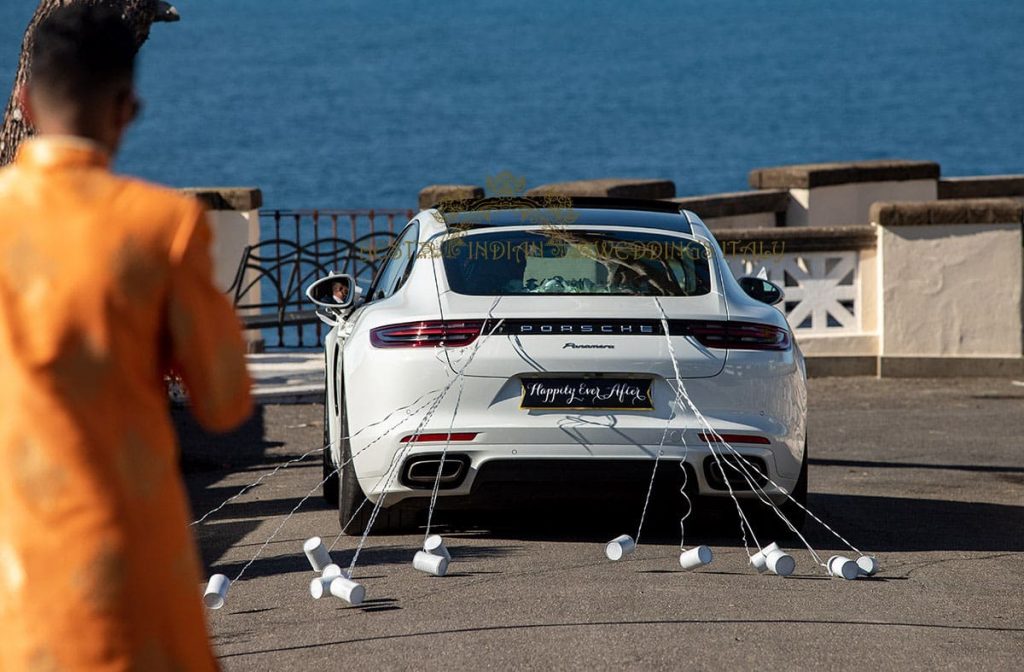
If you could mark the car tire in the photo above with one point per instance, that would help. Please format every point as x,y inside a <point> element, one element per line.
<point>330,485</point>
<point>353,513</point>
<point>796,515</point>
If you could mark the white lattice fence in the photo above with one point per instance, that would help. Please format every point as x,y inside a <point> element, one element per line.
<point>822,288</point>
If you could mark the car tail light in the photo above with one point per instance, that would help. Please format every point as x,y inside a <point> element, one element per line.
<point>449,333</point>
<point>738,335</point>
<point>733,438</point>
<point>454,436</point>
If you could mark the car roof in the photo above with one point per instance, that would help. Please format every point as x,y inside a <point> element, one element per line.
<point>498,212</point>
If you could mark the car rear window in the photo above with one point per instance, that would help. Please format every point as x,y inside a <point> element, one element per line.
<point>567,261</point>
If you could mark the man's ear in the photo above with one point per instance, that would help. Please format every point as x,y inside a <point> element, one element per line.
<point>24,104</point>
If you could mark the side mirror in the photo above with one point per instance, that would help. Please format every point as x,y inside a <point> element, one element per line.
<point>334,291</point>
<point>762,290</point>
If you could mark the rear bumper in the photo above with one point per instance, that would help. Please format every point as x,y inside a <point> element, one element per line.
<point>747,398</point>
<point>506,474</point>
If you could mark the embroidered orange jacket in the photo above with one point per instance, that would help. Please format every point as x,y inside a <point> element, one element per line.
<point>104,283</point>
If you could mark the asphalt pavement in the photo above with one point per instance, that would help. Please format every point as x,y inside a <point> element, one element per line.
<point>926,474</point>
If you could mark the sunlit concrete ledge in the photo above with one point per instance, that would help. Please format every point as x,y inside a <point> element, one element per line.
<point>293,377</point>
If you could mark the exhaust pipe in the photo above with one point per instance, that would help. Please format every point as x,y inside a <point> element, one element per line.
<point>420,471</point>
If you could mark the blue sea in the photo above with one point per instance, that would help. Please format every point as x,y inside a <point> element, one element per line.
<point>357,104</point>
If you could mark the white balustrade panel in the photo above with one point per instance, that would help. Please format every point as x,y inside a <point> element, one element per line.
<point>822,288</point>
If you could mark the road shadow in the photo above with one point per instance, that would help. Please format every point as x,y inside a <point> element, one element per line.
<point>371,556</point>
<point>910,524</point>
<point>216,538</point>
<point>873,523</point>
<point>274,565</point>
<point>203,451</point>
<point>252,507</point>
<point>587,522</point>
<point>205,458</point>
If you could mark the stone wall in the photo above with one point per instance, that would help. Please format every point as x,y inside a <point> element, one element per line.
<point>831,194</point>
<point>887,267</point>
<point>234,217</point>
<point>950,274</point>
<point>987,186</point>
<point>433,194</point>
<point>739,210</point>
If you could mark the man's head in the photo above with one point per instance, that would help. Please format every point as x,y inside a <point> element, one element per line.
<point>81,75</point>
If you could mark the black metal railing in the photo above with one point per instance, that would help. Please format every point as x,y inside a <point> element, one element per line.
<point>297,247</point>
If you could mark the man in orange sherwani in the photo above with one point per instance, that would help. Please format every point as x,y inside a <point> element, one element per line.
<point>104,282</point>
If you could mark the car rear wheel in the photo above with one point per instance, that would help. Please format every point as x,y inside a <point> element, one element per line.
<point>796,515</point>
<point>354,510</point>
<point>330,485</point>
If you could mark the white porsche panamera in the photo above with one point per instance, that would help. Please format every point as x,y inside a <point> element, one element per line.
<point>528,347</point>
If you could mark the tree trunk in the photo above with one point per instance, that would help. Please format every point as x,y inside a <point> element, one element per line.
<point>140,14</point>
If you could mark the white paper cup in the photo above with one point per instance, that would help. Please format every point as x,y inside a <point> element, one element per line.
<point>780,563</point>
<point>867,565</point>
<point>216,591</point>
<point>620,546</point>
<point>331,571</point>
<point>695,557</point>
<point>430,563</point>
<point>348,590</point>
<point>758,559</point>
<point>320,586</point>
<point>844,567</point>
<point>317,553</point>
<point>434,545</point>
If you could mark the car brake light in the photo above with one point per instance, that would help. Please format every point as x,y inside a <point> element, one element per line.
<point>738,335</point>
<point>448,333</point>
<point>733,438</point>
<point>454,436</point>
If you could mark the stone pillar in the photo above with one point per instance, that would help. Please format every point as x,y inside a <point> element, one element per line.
<point>765,208</point>
<point>433,194</point>
<point>950,276</point>
<point>235,219</point>
<point>837,194</point>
